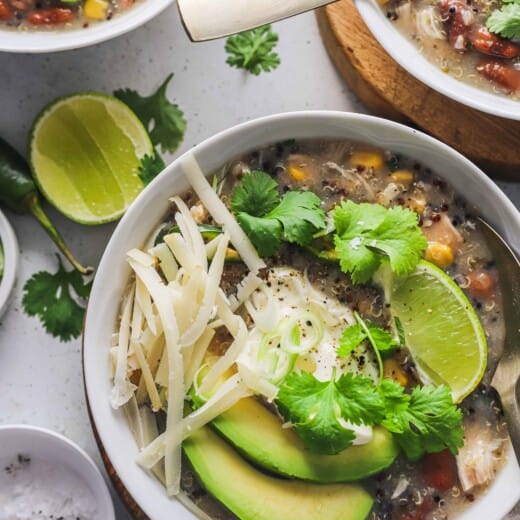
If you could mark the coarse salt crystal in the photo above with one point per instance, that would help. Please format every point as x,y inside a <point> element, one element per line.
<point>34,489</point>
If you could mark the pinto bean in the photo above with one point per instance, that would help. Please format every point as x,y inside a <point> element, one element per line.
<point>459,18</point>
<point>6,13</point>
<point>504,76</point>
<point>492,44</point>
<point>50,16</point>
<point>481,284</point>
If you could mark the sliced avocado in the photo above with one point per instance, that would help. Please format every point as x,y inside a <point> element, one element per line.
<point>258,435</point>
<point>251,494</point>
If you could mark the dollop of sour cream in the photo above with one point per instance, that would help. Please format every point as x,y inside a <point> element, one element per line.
<point>287,294</point>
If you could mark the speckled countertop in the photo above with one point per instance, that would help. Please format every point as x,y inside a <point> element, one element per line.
<point>40,378</point>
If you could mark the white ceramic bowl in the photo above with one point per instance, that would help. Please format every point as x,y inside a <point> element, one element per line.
<point>53,448</point>
<point>11,262</point>
<point>39,41</point>
<point>406,54</point>
<point>150,207</point>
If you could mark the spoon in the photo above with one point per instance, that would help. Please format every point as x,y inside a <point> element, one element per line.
<point>209,19</point>
<point>506,379</point>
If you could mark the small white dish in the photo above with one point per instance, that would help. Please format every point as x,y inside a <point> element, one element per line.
<point>404,52</point>
<point>11,261</point>
<point>32,442</point>
<point>39,41</point>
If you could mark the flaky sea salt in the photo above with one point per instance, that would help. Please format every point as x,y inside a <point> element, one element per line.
<point>33,489</point>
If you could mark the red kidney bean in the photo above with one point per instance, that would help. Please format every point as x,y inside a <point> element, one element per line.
<point>504,76</point>
<point>51,16</point>
<point>492,44</point>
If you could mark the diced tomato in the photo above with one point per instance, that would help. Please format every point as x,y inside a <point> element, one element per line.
<point>440,470</point>
<point>6,13</point>
<point>481,284</point>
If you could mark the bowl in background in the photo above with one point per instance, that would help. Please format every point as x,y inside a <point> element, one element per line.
<point>53,448</point>
<point>11,262</point>
<point>151,206</point>
<point>404,52</point>
<point>40,41</point>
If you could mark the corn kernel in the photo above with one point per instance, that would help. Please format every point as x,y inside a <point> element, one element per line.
<point>298,174</point>
<point>96,9</point>
<point>417,203</point>
<point>439,254</point>
<point>367,159</point>
<point>404,177</point>
<point>392,370</point>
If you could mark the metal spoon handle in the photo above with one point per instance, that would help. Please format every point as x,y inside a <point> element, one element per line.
<point>208,19</point>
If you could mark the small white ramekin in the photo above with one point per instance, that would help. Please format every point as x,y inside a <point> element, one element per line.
<point>52,447</point>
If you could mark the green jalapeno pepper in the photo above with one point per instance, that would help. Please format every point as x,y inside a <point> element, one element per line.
<point>19,193</point>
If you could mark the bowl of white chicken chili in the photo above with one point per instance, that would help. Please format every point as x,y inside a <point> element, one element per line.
<point>300,318</point>
<point>468,51</point>
<point>32,26</point>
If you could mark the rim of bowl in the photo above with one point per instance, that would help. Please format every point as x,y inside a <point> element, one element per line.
<point>407,56</point>
<point>11,262</point>
<point>38,41</point>
<point>103,417</point>
<point>91,477</point>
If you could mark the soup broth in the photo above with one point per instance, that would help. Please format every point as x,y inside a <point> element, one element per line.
<point>452,34</point>
<point>439,485</point>
<point>54,14</point>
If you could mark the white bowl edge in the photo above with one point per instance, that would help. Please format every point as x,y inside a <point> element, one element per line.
<point>133,230</point>
<point>42,41</point>
<point>407,55</point>
<point>11,262</point>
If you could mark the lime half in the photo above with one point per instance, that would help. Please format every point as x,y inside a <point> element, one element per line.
<point>85,153</point>
<point>442,330</point>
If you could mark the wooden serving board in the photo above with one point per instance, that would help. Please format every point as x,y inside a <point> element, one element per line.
<point>389,91</point>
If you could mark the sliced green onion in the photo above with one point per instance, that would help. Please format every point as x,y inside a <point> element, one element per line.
<point>301,333</point>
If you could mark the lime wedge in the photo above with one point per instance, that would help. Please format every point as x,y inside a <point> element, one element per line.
<point>85,152</point>
<point>443,333</point>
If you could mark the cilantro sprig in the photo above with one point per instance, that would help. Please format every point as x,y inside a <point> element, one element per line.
<point>253,50</point>
<point>57,300</point>
<point>382,342</point>
<point>267,219</point>
<point>315,409</point>
<point>367,233</point>
<point>425,421</point>
<point>163,120</point>
<point>506,20</point>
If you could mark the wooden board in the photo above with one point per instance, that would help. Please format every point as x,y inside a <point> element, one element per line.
<point>389,91</point>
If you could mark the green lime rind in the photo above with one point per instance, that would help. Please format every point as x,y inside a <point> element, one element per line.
<point>85,151</point>
<point>443,332</point>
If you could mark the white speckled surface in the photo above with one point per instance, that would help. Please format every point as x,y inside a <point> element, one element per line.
<point>40,378</point>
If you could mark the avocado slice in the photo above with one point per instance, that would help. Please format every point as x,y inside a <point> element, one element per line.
<point>258,435</point>
<point>251,494</point>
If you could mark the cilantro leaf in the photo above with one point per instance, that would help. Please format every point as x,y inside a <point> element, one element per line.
<point>265,233</point>
<point>164,120</point>
<point>266,218</point>
<point>366,233</point>
<point>150,167</point>
<point>300,215</point>
<point>382,341</point>
<point>506,20</point>
<point>253,50</point>
<point>318,410</point>
<point>350,339</point>
<point>257,194</point>
<point>426,421</point>
<point>53,298</point>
